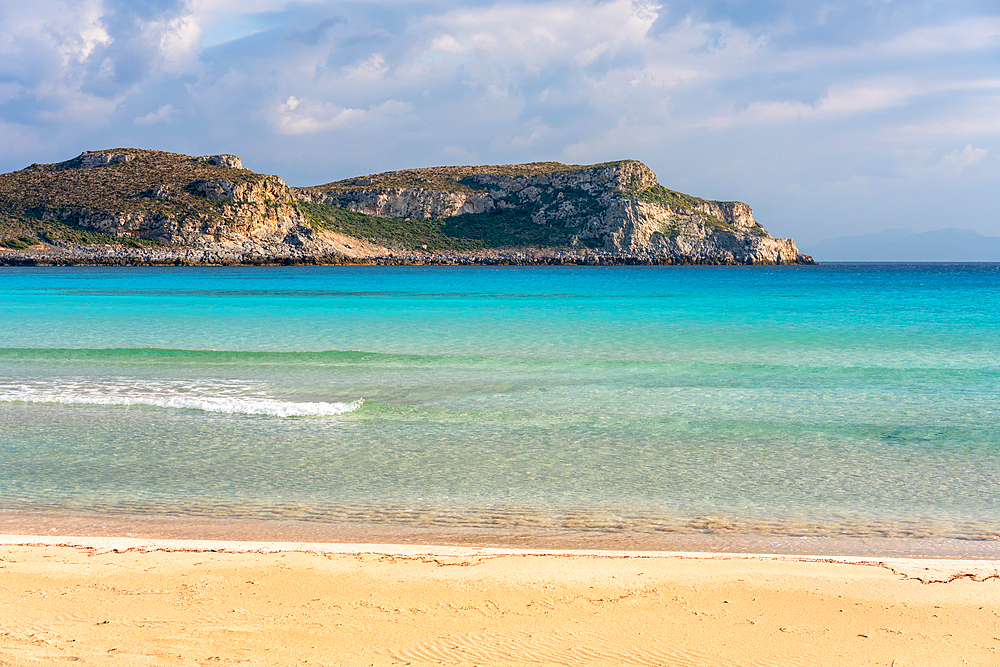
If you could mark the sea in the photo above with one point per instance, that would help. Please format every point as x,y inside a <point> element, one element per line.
<point>831,409</point>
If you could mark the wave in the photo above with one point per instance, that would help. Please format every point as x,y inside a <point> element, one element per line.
<point>168,355</point>
<point>117,395</point>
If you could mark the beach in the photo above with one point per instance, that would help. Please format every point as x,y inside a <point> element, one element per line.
<point>499,334</point>
<point>730,466</point>
<point>130,601</point>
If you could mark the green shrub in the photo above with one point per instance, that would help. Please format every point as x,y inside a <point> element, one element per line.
<point>21,242</point>
<point>470,231</point>
<point>20,231</point>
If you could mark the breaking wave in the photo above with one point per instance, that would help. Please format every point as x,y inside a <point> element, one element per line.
<point>172,395</point>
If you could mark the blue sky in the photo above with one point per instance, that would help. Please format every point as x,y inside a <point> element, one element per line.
<point>828,118</point>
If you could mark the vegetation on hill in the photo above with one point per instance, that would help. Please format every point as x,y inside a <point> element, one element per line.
<point>549,216</point>
<point>659,194</point>
<point>51,202</point>
<point>44,201</point>
<point>451,179</point>
<point>499,228</point>
<point>15,233</point>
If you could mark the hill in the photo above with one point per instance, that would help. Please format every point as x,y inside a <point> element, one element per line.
<point>149,207</point>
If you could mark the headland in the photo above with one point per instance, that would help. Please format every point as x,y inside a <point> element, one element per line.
<point>126,206</point>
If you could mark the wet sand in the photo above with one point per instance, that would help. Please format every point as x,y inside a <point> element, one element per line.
<point>138,601</point>
<point>284,531</point>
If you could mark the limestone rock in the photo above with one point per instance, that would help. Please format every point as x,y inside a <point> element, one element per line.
<point>101,158</point>
<point>224,160</point>
<point>142,195</point>
<point>131,206</point>
<point>617,207</point>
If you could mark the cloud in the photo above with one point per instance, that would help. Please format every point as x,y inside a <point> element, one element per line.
<point>76,61</point>
<point>164,114</point>
<point>844,100</point>
<point>303,116</point>
<point>964,118</point>
<point>725,99</point>
<point>867,96</point>
<point>371,69</point>
<point>298,116</point>
<point>958,161</point>
<point>970,34</point>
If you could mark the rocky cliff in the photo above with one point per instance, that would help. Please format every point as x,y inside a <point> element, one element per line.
<point>126,206</point>
<point>617,208</point>
<point>149,198</point>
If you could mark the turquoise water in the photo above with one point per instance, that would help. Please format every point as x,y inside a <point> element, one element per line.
<point>850,401</point>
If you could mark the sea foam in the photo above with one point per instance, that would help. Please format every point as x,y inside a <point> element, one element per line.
<point>170,395</point>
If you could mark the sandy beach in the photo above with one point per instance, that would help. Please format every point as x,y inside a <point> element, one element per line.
<point>129,601</point>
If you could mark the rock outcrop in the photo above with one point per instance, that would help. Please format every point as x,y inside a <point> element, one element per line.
<point>164,198</point>
<point>129,206</point>
<point>225,160</point>
<point>617,207</point>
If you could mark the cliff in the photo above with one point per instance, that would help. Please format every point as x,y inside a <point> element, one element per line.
<point>616,208</point>
<point>127,206</point>
<point>147,198</point>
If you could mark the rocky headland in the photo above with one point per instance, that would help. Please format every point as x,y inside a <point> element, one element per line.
<point>140,207</point>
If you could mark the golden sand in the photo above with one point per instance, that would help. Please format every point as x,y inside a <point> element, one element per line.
<point>108,601</point>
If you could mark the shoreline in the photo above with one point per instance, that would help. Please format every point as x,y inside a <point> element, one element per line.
<point>924,570</point>
<point>68,525</point>
<point>221,256</point>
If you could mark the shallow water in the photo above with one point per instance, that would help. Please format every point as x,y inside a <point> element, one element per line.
<point>840,401</point>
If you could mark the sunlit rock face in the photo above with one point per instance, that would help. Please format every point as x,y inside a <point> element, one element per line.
<point>617,207</point>
<point>544,212</point>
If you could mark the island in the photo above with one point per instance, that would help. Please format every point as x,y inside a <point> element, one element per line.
<point>135,207</point>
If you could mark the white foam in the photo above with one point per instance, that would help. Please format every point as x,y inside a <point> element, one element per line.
<point>72,393</point>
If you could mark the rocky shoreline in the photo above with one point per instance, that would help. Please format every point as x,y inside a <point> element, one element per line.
<point>285,256</point>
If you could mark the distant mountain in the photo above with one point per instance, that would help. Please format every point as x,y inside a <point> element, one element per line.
<point>903,245</point>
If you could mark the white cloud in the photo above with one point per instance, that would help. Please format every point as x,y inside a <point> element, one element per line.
<point>180,43</point>
<point>370,69</point>
<point>895,50</point>
<point>164,114</point>
<point>971,34</point>
<point>298,116</point>
<point>958,161</point>
<point>843,100</point>
<point>867,96</point>
<point>503,37</point>
<point>764,113</point>
<point>446,44</point>
<point>76,61</point>
<point>746,102</point>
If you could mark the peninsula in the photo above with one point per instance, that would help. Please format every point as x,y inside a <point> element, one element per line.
<point>140,207</point>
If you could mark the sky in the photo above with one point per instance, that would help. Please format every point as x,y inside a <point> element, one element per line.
<point>828,118</point>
